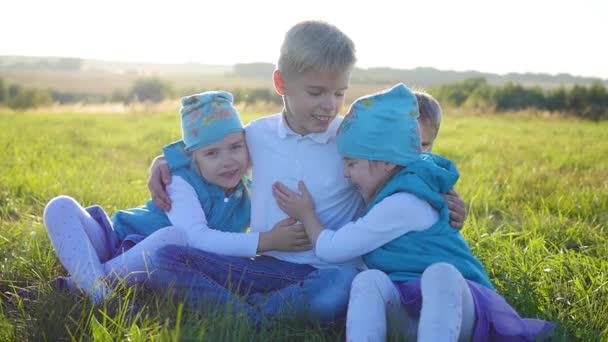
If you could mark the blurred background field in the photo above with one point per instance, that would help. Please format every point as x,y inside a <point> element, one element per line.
<point>89,93</point>
<point>536,189</point>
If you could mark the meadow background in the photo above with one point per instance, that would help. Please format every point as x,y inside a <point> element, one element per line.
<point>536,190</point>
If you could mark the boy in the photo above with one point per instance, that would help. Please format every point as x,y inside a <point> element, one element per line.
<point>298,144</point>
<point>429,122</point>
<point>313,75</point>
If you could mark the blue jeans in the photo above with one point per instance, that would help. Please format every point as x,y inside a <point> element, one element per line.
<point>258,287</point>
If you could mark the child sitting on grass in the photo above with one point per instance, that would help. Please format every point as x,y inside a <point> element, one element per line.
<point>423,278</point>
<point>211,207</point>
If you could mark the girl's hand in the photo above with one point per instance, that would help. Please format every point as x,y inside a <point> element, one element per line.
<point>160,177</point>
<point>285,236</point>
<point>293,204</point>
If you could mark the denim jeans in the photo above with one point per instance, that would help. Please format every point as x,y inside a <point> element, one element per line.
<point>258,287</point>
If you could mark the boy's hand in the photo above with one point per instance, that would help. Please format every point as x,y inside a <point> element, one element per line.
<point>458,210</point>
<point>160,177</point>
<point>293,204</point>
<point>286,236</point>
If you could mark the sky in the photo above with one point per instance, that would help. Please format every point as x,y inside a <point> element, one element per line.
<point>489,36</point>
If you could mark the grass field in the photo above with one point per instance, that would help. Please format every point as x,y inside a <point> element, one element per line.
<point>537,194</point>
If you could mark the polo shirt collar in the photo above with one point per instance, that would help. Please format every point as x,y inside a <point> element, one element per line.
<point>285,131</point>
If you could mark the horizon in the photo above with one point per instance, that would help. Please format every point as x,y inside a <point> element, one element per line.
<point>546,37</point>
<point>261,62</point>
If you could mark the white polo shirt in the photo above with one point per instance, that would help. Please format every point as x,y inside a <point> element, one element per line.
<point>280,154</point>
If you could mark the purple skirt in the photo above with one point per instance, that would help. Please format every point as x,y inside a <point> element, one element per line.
<point>496,319</point>
<point>117,245</point>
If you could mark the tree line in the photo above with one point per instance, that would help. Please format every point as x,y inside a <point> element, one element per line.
<point>587,102</point>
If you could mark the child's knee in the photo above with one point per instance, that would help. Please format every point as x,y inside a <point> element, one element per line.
<point>442,276</point>
<point>369,278</point>
<point>442,280</point>
<point>62,207</point>
<point>60,203</point>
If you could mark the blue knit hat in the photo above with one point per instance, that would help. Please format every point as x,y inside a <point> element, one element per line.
<point>383,127</point>
<point>208,118</point>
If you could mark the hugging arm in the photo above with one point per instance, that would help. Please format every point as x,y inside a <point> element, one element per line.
<point>160,178</point>
<point>458,209</point>
<point>187,213</point>
<point>394,216</point>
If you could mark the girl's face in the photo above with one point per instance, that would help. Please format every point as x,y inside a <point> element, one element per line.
<point>225,162</point>
<point>367,176</point>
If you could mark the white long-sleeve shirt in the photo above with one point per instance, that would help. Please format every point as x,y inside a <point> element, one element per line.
<point>187,214</point>
<point>392,217</point>
<point>280,154</point>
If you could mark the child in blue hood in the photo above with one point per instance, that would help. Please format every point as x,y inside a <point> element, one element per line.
<point>211,208</point>
<point>422,277</point>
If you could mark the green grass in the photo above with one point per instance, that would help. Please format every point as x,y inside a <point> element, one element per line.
<point>537,193</point>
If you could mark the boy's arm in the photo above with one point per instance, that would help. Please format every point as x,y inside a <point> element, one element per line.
<point>458,209</point>
<point>160,178</point>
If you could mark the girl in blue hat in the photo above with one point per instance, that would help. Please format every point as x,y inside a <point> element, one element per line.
<point>210,211</point>
<point>422,278</point>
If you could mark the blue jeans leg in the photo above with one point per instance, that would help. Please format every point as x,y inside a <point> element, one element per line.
<point>274,286</point>
<point>321,297</point>
<point>172,273</point>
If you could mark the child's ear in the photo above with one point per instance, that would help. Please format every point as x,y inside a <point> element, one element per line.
<point>279,84</point>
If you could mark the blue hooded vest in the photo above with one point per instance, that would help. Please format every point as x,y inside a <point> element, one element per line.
<point>229,214</point>
<point>405,258</point>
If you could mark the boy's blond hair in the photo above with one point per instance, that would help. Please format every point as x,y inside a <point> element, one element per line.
<point>429,109</point>
<point>315,46</point>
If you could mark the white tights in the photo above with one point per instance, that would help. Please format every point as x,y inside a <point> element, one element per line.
<point>448,311</point>
<point>83,248</point>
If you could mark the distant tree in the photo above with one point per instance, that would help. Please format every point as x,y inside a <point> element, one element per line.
<point>594,102</point>
<point>118,95</point>
<point>472,84</point>
<point>481,97</point>
<point>556,99</point>
<point>535,98</point>
<point>576,99</point>
<point>598,95</point>
<point>514,97</point>
<point>2,91</point>
<point>151,89</point>
<point>30,98</point>
<point>12,91</point>
<point>456,94</point>
<point>259,94</point>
